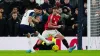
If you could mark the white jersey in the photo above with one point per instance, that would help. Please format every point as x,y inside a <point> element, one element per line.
<point>25,17</point>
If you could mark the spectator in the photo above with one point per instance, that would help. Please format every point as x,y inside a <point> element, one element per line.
<point>68,21</point>
<point>45,5</point>
<point>33,4</point>
<point>25,2</point>
<point>61,1</point>
<point>4,17</point>
<point>29,3</point>
<point>19,4</point>
<point>2,25</point>
<point>52,2</point>
<point>66,10</point>
<point>75,15</point>
<point>66,3</point>
<point>8,5</point>
<point>13,24</point>
<point>65,14</point>
<point>57,4</point>
<point>40,2</point>
<point>2,11</point>
<point>74,3</point>
<point>15,10</point>
<point>75,25</point>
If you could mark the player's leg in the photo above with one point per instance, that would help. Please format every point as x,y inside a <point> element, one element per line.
<point>64,41</point>
<point>43,38</point>
<point>30,29</point>
<point>26,31</point>
<point>30,44</point>
<point>45,34</point>
<point>37,44</point>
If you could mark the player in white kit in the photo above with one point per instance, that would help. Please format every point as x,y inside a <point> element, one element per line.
<point>27,26</point>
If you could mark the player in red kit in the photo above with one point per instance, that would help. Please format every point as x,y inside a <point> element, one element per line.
<point>51,29</point>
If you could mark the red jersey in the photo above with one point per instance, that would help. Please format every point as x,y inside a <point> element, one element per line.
<point>54,19</point>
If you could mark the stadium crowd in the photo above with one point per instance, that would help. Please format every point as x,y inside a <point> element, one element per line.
<point>11,12</point>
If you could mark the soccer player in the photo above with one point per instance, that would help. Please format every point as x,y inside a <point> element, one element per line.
<point>51,28</point>
<point>28,25</point>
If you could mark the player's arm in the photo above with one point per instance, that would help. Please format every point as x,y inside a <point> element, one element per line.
<point>50,24</point>
<point>30,21</point>
<point>33,19</point>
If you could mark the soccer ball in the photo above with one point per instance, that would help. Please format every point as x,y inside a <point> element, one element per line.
<point>55,48</point>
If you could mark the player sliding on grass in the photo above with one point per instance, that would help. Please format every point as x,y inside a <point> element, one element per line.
<point>28,25</point>
<point>51,28</point>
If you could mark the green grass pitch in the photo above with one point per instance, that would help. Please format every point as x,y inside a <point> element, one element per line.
<point>51,53</point>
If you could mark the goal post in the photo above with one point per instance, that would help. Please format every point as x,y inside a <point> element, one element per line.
<point>93,21</point>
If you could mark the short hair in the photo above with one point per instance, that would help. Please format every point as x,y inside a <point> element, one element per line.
<point>76,9</point>
<point>55,7</point>
<point>14,8</point>
<point>38,7</point>
<point>14,13</point>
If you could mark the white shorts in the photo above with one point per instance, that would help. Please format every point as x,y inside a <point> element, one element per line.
<point>47,33</point>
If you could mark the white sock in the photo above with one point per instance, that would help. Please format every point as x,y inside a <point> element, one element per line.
<point>42,38</point>
<point>30,45</point>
